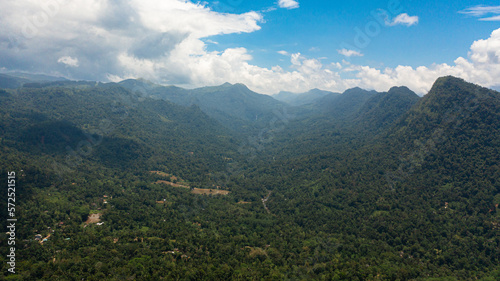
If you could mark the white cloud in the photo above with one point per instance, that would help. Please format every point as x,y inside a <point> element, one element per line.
<point>403,19</point>
<point>494,18</point>
<point>107,36</point>
<point>480,11</point>
<point>288,4</point>
<point>282,52</point>
<point>69,61</point>
<point>166,42</point>
<point>212,42</point>
<point>349,53</point>
<point>296,58</point>
<point>482,67</point>
<point>191,18</point>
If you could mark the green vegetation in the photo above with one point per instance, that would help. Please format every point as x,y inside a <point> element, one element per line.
<point>395,187</point>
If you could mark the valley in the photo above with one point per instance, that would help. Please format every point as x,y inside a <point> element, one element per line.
<point>224,183</point>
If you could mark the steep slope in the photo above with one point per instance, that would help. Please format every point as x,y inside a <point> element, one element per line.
<point>120,128</point>
<point>455,130</point>
<point>346,105</point>
<point>346,121</point>
<point>428,190</point>
<point>235,106</point>
<point>236,101</point>
<point>381,110</point>
<point>453,106</point>
<point>419,204</point>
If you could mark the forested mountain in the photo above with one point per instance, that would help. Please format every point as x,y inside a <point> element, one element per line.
<point>455,131</point>
<point>36,77</point>
<point>136,181</point>
<point>381,110</point>
<point>297,99</point>
<point>15,80</point>
<point>343,121</point>
<point>235,106</point>
<point>427,190</point>
<point>131,130</point>
<point>346,105</point>
<point>10,82</point>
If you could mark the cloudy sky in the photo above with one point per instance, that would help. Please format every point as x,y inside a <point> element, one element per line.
<point>269,45</point>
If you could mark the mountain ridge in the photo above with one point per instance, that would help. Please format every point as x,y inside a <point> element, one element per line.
<point>397,188</point>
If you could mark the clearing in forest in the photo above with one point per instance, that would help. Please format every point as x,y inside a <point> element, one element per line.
<point>172,184</point>
<point>160,173</point>
<point>171,178</point>
<point>185,185</point>
<point>209,191</point>
<point>94,218</point>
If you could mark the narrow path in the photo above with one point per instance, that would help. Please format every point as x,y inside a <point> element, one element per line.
<point>41,241</point>
<point>264,200</point>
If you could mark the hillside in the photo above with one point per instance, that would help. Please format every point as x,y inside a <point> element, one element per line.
<point>235,106</point>
<point>343,106</point>
<point>375,186</point>
<point>15,80</point>
<point>383,109</point>
<point>11,82</point>
<point>431,182</point>
<point>131,130</point>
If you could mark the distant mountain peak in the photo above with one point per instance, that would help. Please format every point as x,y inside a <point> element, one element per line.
<point>240,86</point>
<point>226,86</point>
<point>401,91</point>
<point>449,79</point>
<point>450,82</point>
<point>454,88</point>
<point>395,88</point>
<point>358,90</point>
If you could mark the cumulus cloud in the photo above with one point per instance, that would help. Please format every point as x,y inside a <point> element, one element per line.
<point>166,42</point>
<point>403,19</point>
<point>41,35</point>
<point>349,53</point>
<point>481,11</point>
<point>69,61</point>
<point>282,52</point>
<point>288,4</point>
<point>481,67</point>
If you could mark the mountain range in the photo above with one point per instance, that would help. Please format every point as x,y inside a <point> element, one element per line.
<point>360,185</point>
<point>298,99</point>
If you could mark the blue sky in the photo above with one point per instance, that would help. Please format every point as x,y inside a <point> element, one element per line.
<point>274,45</point>
<point>318,29</point>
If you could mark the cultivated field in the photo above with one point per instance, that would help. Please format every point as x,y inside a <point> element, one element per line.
<point>210,191</point>
<point>172,184</point>
<point>203,191</point>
